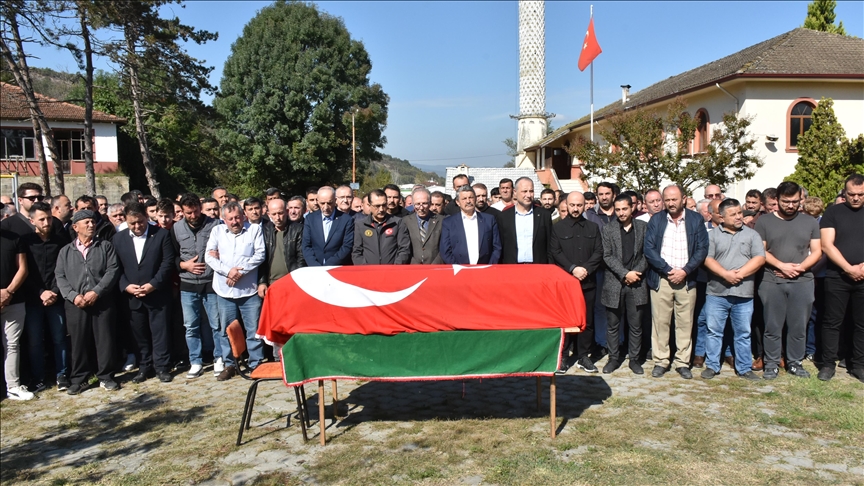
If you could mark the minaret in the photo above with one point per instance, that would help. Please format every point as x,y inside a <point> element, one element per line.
<point>532,78</point>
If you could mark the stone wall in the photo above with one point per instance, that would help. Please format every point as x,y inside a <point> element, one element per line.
<point>111,186</point>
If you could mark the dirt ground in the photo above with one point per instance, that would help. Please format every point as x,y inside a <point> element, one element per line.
<point>612,429</point>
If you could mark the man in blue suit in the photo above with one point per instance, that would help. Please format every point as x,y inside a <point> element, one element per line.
<point>328,234</point>
<point>469,237</point>
<point>676,244</point>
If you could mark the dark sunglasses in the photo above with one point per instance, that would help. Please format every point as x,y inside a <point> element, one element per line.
<point>33,198</point>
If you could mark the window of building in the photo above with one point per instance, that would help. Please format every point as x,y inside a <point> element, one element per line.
<point>701,139</point>
<point>17,142</point>
<point>800,120</point>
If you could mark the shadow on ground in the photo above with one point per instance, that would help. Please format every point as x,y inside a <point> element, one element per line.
<point>87,439</point>
<point>514,397</point>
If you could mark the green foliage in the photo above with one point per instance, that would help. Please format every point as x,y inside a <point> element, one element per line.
<point>820,16</point>
<point>510,143</point>
<point>825,156</point>
<point>288,89</point>
<point>643,149</point>
<point>375,180</point>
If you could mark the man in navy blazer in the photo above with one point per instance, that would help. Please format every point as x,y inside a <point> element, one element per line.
<point>469,237</point>
<point>335,248</point>
<point>146,255</point>
<point>674,257</point>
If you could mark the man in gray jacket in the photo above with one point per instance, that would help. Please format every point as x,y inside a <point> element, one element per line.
<point>87,273</point>
<point>380,238</point>
<point>190,236</point>
<point>424,230</point>
<point>624,290</point>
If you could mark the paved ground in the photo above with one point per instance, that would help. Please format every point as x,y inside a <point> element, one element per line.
<point>188,427</point>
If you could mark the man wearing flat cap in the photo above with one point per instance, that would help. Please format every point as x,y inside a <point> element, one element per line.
<point>87,273</point>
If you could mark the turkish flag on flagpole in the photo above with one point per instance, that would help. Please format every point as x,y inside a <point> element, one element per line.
<point>590,48</point>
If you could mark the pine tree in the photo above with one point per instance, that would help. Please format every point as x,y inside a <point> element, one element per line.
<point>825,156</point>
<point>820,16</point>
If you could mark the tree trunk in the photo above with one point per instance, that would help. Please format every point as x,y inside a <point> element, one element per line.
<point>22,77</point>
<point>40,154</point>
<point>135,88</point>
<point>89,172</point>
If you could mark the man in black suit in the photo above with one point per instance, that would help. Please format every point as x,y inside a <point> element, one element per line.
<point>525,229</point>
<point>452,208</point>
<point>328,234</point>
<point>576,247</point>
<point>146,256</point>
<point>424,230</point>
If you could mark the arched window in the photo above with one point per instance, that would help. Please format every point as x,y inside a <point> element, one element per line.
<point>800,119</point>
<point>701,140</point>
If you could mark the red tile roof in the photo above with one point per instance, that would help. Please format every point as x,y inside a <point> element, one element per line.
<point>13,106</point>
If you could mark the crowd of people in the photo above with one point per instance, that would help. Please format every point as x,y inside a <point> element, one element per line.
<point>149,286</point>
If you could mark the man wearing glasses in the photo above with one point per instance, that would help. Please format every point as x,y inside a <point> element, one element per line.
<point>713,191</point>
<point>792,246</point>
<point>28,194</point>
<point>424,230</point>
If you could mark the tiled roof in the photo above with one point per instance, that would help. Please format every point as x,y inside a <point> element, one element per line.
<point>13,106</point>
<point>800,52</point>
<point>490,176</point>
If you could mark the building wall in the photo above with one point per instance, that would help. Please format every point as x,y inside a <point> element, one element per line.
<point>110,186</point>
<point>105,147</point>
<point>768,102</point>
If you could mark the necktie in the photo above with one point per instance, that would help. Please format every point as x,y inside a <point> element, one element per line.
<point>327,223</point>
<point>423,224</point>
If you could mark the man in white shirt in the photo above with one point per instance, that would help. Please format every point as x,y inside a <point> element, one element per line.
<point>470,237</point>
<point>234,252</point>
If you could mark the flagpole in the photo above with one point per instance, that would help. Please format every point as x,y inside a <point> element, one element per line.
<point>592,86</point>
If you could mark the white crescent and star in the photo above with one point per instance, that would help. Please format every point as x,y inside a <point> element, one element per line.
<point>320,285</point>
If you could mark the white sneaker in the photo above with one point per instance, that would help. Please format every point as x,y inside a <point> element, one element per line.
<point>218,366</point>
<point>194,371</point>
<point>130,362</point>
<point>19,393</point>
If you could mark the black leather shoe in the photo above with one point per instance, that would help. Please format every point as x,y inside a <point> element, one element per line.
<point>142,375</point>
<point>611,366</point>
<point>658,371</point>
<point>164,376</point>
<point>636,368</point>
<point>685,372</point>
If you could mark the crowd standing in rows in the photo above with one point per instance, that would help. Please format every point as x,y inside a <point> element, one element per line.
<point>759,286</point>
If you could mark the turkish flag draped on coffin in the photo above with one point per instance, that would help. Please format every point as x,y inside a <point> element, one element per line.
<point>391,299</point>
<point>590,47</point>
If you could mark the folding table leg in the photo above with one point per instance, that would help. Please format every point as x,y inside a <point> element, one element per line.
<point>321,424</point>
<point>305,406</point>
<point>552,419</point>
<point>302,413</point>
<point>335,402</point>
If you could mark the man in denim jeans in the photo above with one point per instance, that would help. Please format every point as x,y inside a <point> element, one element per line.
<point>735,254</point>
<point>191,235</point>
<point>234,252</point>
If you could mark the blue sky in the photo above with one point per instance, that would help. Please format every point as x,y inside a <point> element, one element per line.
<point>451,68</point>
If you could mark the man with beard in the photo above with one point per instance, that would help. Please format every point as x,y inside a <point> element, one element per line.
<point>624,291</point>
<point>61,209</point>
<point>43,301</point>
<point>436,203</point>
<point>197,297</point>
<point>210,208</point>
<point>676,244</point>
<point>394,201</point>
<point>735,254</point>
<point>311,199</point>
<point>604,214</point>
<point>842,233</point>
<point>792,247</point>
<point>381,238</point>
<point>482,204</point>
<point>576,247</point>
<point>547,199</point>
